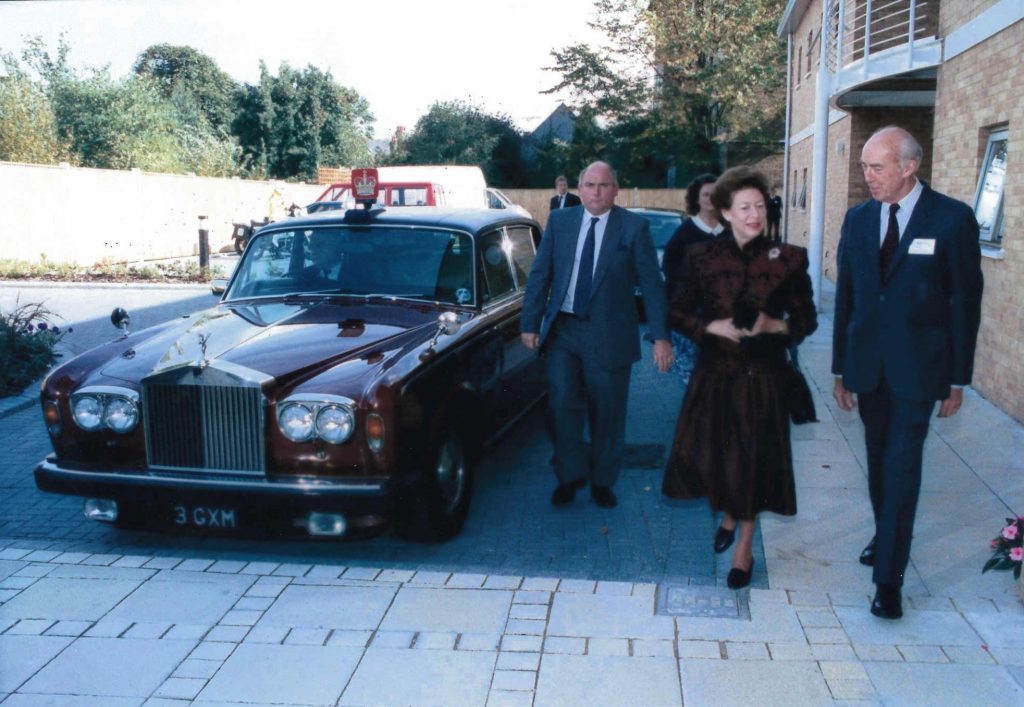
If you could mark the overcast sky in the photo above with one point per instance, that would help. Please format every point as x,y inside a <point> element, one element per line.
<point>401,55</point>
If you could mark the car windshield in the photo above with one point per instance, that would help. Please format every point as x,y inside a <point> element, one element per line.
<point>417,263</point>
<point>662,227</point>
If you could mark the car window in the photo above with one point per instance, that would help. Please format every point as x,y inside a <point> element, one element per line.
<point>662,227</point>
<point>522,253</point>
<point>497,278</point>
<point>405,262</point>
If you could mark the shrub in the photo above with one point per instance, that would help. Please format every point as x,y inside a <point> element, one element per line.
<point>28,340</point>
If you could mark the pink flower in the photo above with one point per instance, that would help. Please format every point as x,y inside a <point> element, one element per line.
<point>1010,532</point>
<point>1017,554</point>
<point>993,544</point>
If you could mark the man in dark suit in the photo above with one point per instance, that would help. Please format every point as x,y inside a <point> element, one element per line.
<point>563,199</point>
<point>908,306</point>
<point>580,311</point>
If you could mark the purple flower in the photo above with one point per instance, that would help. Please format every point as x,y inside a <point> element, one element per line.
<point>1017,554</point>
<point>70,329</point>
<point>43,326</point>
<point>56,330</point>
<point>30,327</point>
<point>1010,532</point>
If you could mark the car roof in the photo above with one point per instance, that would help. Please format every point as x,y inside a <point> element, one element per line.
<point>472,220</point>
<point>656,210</point>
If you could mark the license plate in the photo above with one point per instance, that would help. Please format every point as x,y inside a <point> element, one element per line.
<point>207,517</point>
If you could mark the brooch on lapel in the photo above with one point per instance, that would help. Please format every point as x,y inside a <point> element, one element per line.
<point>774,253</point>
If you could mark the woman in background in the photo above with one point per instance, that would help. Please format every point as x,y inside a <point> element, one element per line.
<point>745,299</point>
<point>703,225</point>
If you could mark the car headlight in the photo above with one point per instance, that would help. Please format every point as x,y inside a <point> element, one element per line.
<point>296,422</point>
<point>101,406</point>
<point>334,424</point>
<point>120,414</point>
<point>331,418</point>
<point>87,410</point>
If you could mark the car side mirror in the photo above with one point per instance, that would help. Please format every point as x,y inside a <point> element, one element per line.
<point>121,319</point>
<point>218,286</point>
<point>448,323</point>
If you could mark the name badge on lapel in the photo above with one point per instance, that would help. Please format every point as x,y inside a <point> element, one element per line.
<point>922,246</point>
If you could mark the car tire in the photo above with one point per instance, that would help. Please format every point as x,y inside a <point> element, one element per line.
<point>435,508</point>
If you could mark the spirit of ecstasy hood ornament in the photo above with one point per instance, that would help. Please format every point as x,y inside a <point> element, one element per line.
<point>203,338</point>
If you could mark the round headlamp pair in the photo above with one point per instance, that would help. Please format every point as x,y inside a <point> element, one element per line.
<point>330,418</point>
<point>105,407</point>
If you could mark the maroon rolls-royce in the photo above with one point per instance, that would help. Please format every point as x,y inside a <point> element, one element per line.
<point>355,367</point>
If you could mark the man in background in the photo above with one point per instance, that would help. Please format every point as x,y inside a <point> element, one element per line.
<point>563,198</point>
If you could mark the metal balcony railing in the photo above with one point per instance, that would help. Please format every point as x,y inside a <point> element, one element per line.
<point>870,39</point>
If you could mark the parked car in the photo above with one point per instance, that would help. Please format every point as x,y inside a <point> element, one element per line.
<point>313,395</point>
<point>497,199</point>
<point>663,223</point>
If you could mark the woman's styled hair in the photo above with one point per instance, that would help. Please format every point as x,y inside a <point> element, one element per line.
<point>693,192</point>
<point>736,179</point>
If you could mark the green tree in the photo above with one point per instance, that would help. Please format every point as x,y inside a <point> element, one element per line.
<point>188,77</point>
<point>117,124</point>
<point>680,78</point>
<point>290,124</point>
<point>28,131</point>
<point>455,132</point>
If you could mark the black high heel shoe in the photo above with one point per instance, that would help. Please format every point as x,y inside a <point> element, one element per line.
<point>724,538</point>
<point>738,578</point>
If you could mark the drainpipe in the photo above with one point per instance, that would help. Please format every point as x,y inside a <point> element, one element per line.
<point>822,89</point>
<point>784,226</point>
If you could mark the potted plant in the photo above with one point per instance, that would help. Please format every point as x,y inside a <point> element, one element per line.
<point>1008,550</point>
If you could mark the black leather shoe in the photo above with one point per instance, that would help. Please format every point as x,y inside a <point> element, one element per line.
<point>867,555</point>
<point>603,496</point>
<point>738,578</point>
<point>564,493</point>
<point>724,538</point>
<point>887,604</point>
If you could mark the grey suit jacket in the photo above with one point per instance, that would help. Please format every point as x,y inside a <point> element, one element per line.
<point>627,258</point>
<point>921,325</point>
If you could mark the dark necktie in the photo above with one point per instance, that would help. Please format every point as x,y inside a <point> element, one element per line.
<point>892,239</point>
<point>585,275</point>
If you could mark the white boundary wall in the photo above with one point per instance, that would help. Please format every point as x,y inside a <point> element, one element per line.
<point>87,216</point>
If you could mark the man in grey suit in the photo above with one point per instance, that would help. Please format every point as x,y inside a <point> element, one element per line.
<point>908,306</point>
<point>579,310</point>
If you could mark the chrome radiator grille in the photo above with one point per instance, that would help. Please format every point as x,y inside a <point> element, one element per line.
<point>196,426</point>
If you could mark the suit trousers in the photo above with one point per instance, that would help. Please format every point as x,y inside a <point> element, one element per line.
<point>582,392</point>
<point>894,432</point>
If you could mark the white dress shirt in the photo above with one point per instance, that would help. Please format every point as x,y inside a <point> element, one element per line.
<point>599,228</point>
<point>907,205</point>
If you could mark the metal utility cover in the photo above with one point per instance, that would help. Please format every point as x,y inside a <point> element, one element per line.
<point>702,602</point>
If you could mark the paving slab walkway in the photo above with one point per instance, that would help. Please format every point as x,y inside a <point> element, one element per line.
<point>87,621</point>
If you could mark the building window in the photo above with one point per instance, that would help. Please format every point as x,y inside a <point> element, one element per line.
<point>792,192</point>
<point>803,192</point>
<point>810,51</point>
<point>799,64</point>
<point>988,201</point>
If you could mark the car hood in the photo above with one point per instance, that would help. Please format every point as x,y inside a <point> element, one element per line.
<point>276,338</point>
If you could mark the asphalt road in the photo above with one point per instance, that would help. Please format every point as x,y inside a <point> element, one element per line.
<point>512,528</point>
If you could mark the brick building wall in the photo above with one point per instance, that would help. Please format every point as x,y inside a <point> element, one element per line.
<point>977,91</point>
<point>956,13</point>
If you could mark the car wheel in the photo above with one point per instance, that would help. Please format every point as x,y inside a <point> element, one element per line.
<point>438,507</point>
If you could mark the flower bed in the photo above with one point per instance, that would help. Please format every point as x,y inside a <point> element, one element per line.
<point>28,339</point>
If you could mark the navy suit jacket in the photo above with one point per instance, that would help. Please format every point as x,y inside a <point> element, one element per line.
<point>921,325</point>
<point>570,200</point>
<point>627,258</point>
